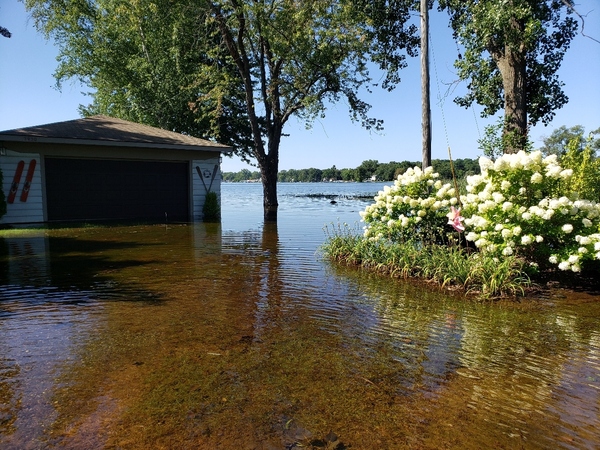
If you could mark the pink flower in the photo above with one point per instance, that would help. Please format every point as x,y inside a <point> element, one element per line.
<point>454,219</point>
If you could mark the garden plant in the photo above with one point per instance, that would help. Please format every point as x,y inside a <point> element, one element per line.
<point>211,211</point>
<point>523,214</point>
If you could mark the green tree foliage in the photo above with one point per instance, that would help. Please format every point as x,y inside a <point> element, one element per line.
<point>366,170</point>
<point>492,144</point>
<point>387,171</point>
<point>497,139</point>
<point>462,168</point>
<point>310,175</point>
<point>148,61</point>
<point>332,174</point>
<point>291,176</point>
<point>557,143</point>
<point>391,30</point>
<point>234,71</point>
<point>242,175</point>
<point>347,174</point>
<point>382,171</point>
<point>580,156</point>
<point>293,58</point>
<point>512,51</point>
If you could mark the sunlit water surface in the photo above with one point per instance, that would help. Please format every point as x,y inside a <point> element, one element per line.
<point>238,335</point>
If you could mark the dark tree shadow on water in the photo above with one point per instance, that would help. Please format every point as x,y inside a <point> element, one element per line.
<point>76,262</point>
<point>69,265</point>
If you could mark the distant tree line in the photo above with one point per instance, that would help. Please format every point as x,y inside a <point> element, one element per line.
<point>373,170</point>
<point>369,170</point>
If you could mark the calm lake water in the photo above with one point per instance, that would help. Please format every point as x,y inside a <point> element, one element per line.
<point>239,336</point>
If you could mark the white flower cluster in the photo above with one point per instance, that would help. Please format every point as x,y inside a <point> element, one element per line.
<point>588,248</point>
<point>514,207</point>
<point>509,209</point>
<point>416,201</point>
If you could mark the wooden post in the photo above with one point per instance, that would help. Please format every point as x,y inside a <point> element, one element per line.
<point>425,103</point>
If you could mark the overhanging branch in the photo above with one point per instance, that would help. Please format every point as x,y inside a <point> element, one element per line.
<point>569,6</point>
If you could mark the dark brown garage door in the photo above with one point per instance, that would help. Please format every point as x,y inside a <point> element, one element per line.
<point>85,189</point>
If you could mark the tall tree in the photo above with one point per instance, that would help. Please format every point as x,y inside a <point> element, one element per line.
<point>557,143</point>
<point>148,61</point>
<point>295,57</point>
<point>512,52</point>
<point>260,61</point>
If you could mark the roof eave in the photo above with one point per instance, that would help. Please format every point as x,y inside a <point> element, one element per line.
<point>41,140</point>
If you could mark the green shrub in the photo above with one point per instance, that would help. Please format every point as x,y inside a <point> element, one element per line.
<point>585,182</point>
<point>522,213</point>
<point>414,208</point>
<point>211,211</point>
<point>447,266</point>
<point>523,204</point>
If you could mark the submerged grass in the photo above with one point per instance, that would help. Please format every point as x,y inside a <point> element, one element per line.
<point>21,232</point>
<point>449,266</point>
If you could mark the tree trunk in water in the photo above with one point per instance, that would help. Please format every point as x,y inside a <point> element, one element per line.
<point>269,182</point>
<point>268,162</point>
<point>513,67</point>
<point>269,168</point>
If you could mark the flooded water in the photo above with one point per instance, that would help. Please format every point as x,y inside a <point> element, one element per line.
<point>238,336</point>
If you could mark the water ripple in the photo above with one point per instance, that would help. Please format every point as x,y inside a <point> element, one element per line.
<point>492,374</point>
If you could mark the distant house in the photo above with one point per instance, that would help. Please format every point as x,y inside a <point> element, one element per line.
<point>102,168</point>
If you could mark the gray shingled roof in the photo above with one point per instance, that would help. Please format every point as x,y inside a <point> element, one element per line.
<point>109,131</point>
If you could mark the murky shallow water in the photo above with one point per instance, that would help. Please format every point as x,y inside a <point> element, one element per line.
<point>237,336</point>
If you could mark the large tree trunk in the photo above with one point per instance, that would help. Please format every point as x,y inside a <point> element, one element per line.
<point>269,168</point>
<point>268,174</point>
<point>513,68</point>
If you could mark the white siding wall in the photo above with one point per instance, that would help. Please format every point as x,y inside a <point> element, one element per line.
<point>31,210</point>
<point>200,185</point>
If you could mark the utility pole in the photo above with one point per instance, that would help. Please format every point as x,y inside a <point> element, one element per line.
<point>425,103</point>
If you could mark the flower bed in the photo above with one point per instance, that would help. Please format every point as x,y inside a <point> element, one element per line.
<point>521,211</point>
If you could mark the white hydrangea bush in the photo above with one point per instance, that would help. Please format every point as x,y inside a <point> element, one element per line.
<point>515,207</point>
<point>415,207</point>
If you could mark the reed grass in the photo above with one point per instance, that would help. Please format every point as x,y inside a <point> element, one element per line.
<point>449,266</point>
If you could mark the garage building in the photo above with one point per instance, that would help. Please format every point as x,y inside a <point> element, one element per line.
<point>103,168</point>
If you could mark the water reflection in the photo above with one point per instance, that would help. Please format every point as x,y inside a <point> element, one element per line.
<point>516,373</point>
<point>235,336</point>
<point>270,303</point>
<point>51,299</point>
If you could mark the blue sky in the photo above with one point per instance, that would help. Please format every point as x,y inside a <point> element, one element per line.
<point>28,97</point>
